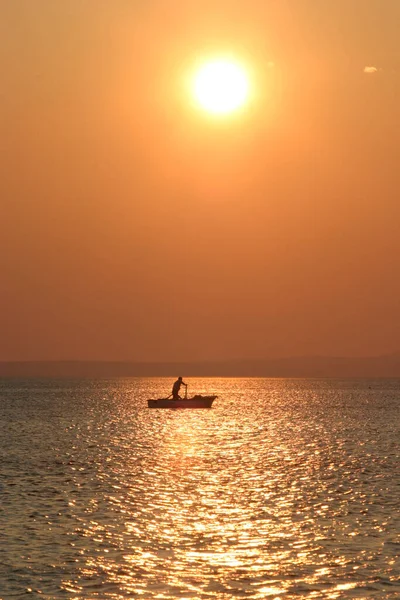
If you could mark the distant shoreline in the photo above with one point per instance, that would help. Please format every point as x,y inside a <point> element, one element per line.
<point>309,366</point>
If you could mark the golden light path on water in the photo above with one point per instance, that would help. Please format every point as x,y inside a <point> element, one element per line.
<point>285,489</point>
<point>269,495</point>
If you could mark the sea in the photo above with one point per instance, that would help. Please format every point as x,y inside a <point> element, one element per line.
<point>285,489</point>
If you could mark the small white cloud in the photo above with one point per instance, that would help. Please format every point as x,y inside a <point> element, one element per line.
<point>370,70</point>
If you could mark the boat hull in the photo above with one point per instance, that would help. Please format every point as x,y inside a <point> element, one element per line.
<point>195,402</point>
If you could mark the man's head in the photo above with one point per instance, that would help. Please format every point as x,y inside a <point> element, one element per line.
<point>179,378</point>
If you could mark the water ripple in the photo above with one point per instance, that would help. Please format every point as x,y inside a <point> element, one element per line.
<point>285,489</point>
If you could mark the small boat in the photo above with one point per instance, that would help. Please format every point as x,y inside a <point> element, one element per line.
<point>195,402</point>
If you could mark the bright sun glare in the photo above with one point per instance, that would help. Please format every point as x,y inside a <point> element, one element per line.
<point>221,86</point>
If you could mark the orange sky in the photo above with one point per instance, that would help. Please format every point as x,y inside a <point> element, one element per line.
<point>135,227</point>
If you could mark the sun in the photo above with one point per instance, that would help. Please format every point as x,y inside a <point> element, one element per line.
<point>221,86</point>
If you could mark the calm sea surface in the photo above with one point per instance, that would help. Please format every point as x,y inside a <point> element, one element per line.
<point>284,489</point>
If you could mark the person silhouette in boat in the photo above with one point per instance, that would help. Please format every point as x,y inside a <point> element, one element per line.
<point>177,387</point>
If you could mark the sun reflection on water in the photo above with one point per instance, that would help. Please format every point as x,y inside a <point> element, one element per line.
<point>237,501</point>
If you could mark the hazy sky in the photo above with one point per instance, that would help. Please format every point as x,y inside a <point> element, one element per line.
<point>133,226</point>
